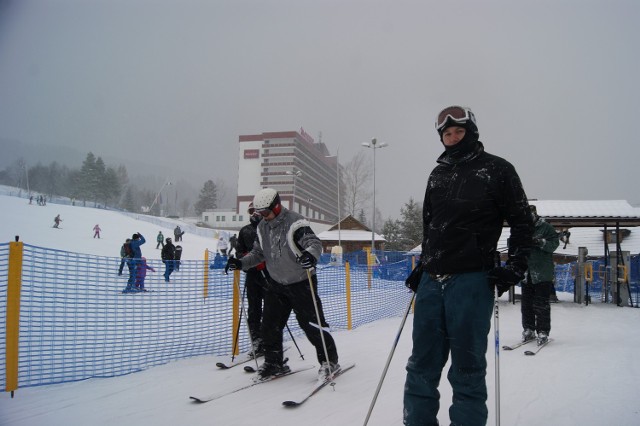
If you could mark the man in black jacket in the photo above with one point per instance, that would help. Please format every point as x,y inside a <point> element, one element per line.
<point>255,281</point>
<point>469,195</point>
<point>168,255</point>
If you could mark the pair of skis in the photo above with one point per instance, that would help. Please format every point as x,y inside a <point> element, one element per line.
<point>288,403</point>
<point>243,359</point>
<point>529,353</point>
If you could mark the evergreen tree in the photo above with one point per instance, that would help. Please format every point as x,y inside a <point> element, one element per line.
<point>128,203</point>
<point>392,232</point>
<point>111,186</point>
<point>86,181</point>
<point>411,224</point>
<point>208,198</point>
<point>99,186</point>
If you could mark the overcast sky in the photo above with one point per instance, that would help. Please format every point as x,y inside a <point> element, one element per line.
<point>553,83</point>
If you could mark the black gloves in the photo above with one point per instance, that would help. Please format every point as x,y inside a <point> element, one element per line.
<point>414,277</point>
<point>539,242</point>
<point>306,260</point>
<point>504,277</point>
<point>232,264</point>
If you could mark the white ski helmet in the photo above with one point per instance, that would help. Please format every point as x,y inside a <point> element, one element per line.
<point>267,199</point>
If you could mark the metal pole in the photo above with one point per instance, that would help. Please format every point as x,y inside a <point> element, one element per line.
<point>338,182</point>
<point>496,330</point>
<point>386,367</point>
<point>373,218</point>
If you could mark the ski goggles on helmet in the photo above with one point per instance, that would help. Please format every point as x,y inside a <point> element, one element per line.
<point>456,114</point>
<point>263,212</point>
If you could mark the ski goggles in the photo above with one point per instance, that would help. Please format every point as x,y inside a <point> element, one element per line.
<point>263,212</point>
<point>455,113</point>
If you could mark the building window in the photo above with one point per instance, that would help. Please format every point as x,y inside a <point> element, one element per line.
<point>224,219</point>
<point>233,218</point>
<point>240,218</point>
<point>206,218</point>
<point>217,218</point>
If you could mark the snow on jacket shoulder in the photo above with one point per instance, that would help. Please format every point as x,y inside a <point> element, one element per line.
<point>465,206</point>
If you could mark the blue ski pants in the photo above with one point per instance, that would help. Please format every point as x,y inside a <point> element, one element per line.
<point>451,316</point>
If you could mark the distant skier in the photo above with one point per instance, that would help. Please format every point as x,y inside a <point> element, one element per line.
<point>177,257</point>
<point>233,243</point>
<point>125,255</point>
<point>160,240</point>
<point>178,233</point>
<point>57,221</point>
<point>222,246</point>
<point>96,231</point>
<point>136,255</point>
<point>536,312</point>
<point>168,258</point>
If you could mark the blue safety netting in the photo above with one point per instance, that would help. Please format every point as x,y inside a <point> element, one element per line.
<point>75,322</point>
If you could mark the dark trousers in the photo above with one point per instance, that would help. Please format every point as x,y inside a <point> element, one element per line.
<point>132,264</point>
<point>453,316</point>
<point>123,260</point>
<point>279,301</point>
<point>535,308</point>
<point>254,284</point>
<point>169,265</point>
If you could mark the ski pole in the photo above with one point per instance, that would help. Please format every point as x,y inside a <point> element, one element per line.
<point>237,336</point>
<point>386,367</point>
<point>236,279</point>
<point>315,306</point>
<point>294,341</point>
<point>496,333</point>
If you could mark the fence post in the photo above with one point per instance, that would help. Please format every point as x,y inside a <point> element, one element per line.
<point>14,285</point>
<point>205,287</point>
<point>347,279</point>
<point>235,329</point>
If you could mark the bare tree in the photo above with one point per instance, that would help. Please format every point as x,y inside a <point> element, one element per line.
<point>357,175</point>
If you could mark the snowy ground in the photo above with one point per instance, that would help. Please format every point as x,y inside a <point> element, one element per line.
<point>587,376</point>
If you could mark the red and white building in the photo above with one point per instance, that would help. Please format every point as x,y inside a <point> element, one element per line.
<point>294,164</point>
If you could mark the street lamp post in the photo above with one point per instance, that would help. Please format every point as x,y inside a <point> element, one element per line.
<point>374,145</point>
<point>338,183</point>
<point>295,176</point>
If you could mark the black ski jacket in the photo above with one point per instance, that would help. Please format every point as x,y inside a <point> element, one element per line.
<point>246,238</point>
<point>466,203</point>
<point>168,252</point>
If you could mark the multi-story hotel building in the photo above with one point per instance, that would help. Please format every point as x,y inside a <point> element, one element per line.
<point>291,162</point>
